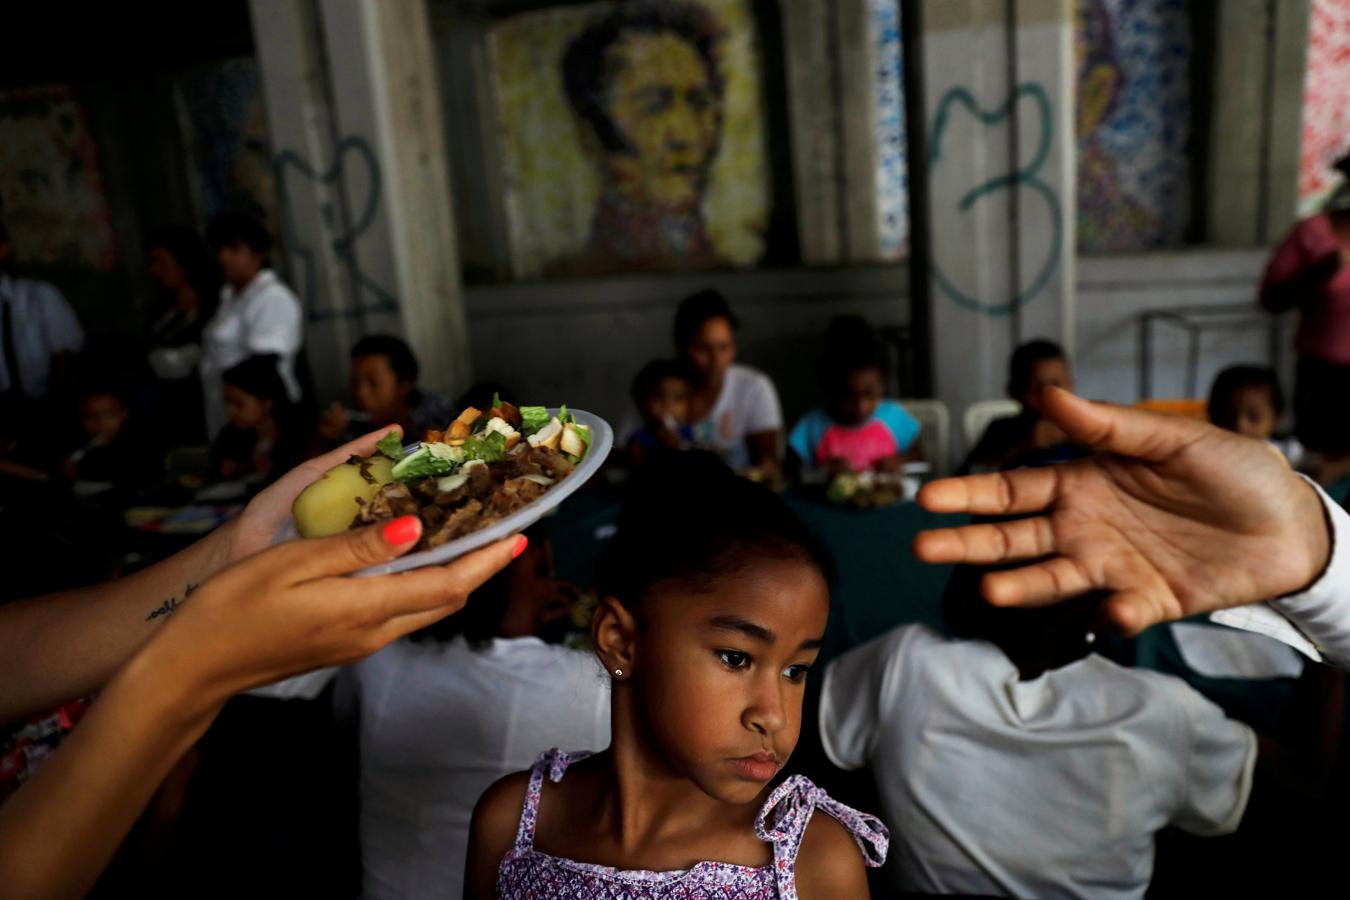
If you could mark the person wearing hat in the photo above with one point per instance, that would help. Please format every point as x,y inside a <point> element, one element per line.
<point>1309,271</point>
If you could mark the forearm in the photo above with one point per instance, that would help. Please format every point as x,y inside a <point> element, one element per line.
<point>58,832</point>
<point>60,646</point>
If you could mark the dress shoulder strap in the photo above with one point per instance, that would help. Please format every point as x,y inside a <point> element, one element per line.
<point>552,763</point>
<point>783,820</point>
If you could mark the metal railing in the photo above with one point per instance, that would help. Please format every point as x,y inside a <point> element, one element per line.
<point>1197,321</point>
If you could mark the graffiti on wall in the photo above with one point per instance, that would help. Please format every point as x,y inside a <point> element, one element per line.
<point>1325,135</point>
<point>51,185</point>
<point>351,186</point>
<point>226,128</point>
<point>1133,123</point>
<point>632,136</point>
<point>892,167</point>
<point>1026,179</point>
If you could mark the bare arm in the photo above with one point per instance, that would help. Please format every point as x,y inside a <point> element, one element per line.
<point>279,613</point>
<point>830,864</point>
<point>492,834</point>
<point>59,646</point>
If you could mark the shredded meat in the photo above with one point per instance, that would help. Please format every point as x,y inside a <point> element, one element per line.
<point>457,524</point>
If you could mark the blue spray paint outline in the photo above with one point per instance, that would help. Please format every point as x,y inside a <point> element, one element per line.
<point>344,245</point>
<point>1026,176</point>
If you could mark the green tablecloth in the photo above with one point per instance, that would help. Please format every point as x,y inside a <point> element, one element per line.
<point>881,584</point>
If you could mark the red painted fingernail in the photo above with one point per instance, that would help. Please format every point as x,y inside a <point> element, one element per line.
<point>402,530</point>
<point>521,543</point>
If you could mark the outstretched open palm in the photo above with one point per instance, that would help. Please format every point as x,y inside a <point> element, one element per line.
<point>1173,517</point>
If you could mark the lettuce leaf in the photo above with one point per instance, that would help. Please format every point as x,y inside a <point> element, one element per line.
<point>584,432</point>
<point>564,416</point>
<point>423,463</point>
<point>391,445</point>
<point>532,418</point>
<point>490,447</point>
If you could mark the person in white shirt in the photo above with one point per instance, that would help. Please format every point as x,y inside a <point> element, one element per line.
<point>1017,763</point>
<point>38,331</point>
<point>445,713</point>
<point>257,315</point>
<point>734,408</point>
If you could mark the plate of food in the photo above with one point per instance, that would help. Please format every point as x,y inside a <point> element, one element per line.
<point>489,474</point>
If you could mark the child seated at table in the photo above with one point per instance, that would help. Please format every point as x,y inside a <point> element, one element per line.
<point>385,392</point>
<point>114,451</point>
<point>858,430</point>
<point>1012,761</point>
<point>1026,438</point>
<point>261,438</point>
<point>661,394</point>
<point>1248,400</point>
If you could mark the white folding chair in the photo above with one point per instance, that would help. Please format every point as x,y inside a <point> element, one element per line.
<point>935,435</point>
<point>979,414</point>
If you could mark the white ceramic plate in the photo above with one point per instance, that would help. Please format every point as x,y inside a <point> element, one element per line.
<point>602,441</point>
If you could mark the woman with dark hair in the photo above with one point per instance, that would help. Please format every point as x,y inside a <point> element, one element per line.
<point>258,314</point>
<point>261,437</point>
<point>734,408</point>
<point>187,287</point>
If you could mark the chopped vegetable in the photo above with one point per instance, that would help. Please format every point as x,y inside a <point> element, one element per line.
<point>532,419</point>
<point>425,461</point>
<point>490,447</point>
<point>391,445</point>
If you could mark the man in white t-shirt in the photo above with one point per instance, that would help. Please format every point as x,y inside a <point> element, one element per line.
<point>38,331</point>
<point>997,783</point>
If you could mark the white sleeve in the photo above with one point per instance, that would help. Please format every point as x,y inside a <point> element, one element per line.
<point>298,687</point>
<point>60,326</point>
<point>272,323</point>
<point>762,411</point>
<point>1218,775</point>
<point>1320,616</point>
<point>851,700</point>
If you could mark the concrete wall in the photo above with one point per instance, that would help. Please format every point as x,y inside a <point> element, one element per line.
<point>581,342</point>
<point>1114,290</point>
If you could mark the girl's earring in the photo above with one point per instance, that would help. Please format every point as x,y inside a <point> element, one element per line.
<point>618,673</point>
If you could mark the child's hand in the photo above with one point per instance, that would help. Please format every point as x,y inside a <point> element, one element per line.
<point>1174,517</point>
<point>836,466</point>
<point>891,465</point>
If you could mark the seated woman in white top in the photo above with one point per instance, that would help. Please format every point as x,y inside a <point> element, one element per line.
<point>1024,765</point>
<point>257,313</point>
<point>443,714</point>
<point>734,408</point>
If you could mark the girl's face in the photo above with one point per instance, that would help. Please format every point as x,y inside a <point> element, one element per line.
<point>1254,412</point>
<point>246,411</point>
<point>858,397</point>
<point>376,389</point>
<point>719,676</point>
<point>713,350</point>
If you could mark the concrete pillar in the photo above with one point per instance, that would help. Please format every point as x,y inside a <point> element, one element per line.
<point>363,183</point>
<point>998,99</point>
<point>1252,166</point>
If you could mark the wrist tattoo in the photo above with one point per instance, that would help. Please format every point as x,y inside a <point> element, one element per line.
<point>168,607</point>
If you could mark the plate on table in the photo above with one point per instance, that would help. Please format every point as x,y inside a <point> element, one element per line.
<point>602,441</point>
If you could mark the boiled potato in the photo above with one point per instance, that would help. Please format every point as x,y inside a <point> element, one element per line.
<point>328,505</point>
